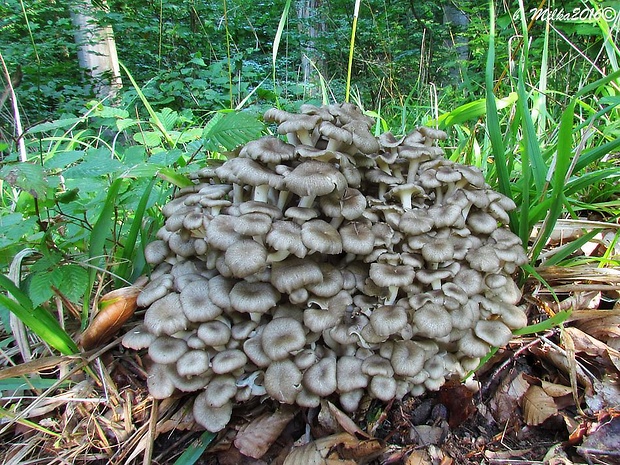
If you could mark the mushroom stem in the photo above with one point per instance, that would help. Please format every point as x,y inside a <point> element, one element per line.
<point>307,201</point>
<point>413,170</point>
<point>261,193</point>
<point>304,137</point>
<point>336,221</point>
<point>282,199</point>
<point>278,256</point>
<point>438,196</point>
<point>391,298</point>
<point>237,194</point>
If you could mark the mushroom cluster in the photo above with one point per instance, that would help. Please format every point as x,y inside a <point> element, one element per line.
<point>334,263</point>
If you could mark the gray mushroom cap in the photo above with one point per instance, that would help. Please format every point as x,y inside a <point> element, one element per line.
<point>282,337</point>
<point>164,317</point>
<point>166,349</point>
<point>214,419</point>
<point>258,297</point>
<point>315,178</point>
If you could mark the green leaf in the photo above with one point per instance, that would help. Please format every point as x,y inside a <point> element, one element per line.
<point>53,125</point>
<point>29,177</point>
<point>227,131</point>
<point>37,319</point>
<point>96,163</point>
<point>41,284</point>
<point>14,384</point>
<point>191,455</point>
<point>170,175</point>
<point>167,117</point>
<point>148,138</point>
<point>129,247</point>
<point>472,111</point>
<point>74,282</point>
<point>99,235</point>
<point>123,124</point>
<point>546,325</point>
<point>60,160</point>
<point>111,112</point>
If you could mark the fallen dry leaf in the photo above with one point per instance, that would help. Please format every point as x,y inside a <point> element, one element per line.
<point>115,308</point>
<point>603,442</point>
<point>537,406</point>
<point>418,457</point>
<point>345,422</point>
<point>592,346</point>
<point>458,399</point>
<point>508,396</point>
<point>256,437</point>
<point>337,449</point>
<point>556,390</point>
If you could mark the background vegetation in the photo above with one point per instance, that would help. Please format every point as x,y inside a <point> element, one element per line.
<point>534,104</point>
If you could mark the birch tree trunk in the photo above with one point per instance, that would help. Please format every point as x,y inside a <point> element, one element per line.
<point>96,49</point>
<point>311,27</point>
<point>458,21</point>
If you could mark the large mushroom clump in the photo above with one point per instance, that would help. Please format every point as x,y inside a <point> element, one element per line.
<point>333,264</point>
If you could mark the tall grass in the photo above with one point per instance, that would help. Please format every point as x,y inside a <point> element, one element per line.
<point>545,159</point>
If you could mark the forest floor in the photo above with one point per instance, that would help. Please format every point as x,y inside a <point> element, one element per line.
<point>550,397</point>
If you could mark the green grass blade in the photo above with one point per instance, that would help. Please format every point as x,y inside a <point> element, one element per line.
<point>555,320</point>
<point>40,321</point>
<point>98,238</point>
<point>129,246</point>
<point>276,46</point>
<point>471,111</point>
<point>152,113</point>
<point>568,249</point>
<point>493,126</point>
<point>531,147</point>
<point>356,12</point>
<point>191,455</point>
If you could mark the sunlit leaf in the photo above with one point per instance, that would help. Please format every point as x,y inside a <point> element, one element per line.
<point>27,176</point>
<point>227,131</point>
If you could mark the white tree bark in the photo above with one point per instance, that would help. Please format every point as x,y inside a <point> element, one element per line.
<point>96,49</point>
<point>459,20</point>
<point>313,26</point>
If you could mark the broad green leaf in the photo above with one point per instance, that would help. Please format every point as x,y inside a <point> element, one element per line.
<point>166,157</point>
<point>179,180</point>
<point>188,135</point>
<point>14,226</point>
<point>60,160</point>
<point>74,282</point>
<point>37,319</point>
<point>146,170</point>
<point>167,117</point>
<point>29,177</point>
<point>41,284</point>
<point>53,125</point>
<point>123,124</point>
<point>148,138</point>
<point>97,162</point>
<point>227,131</point>
<point>111,112</point>
<point>473,110</point>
